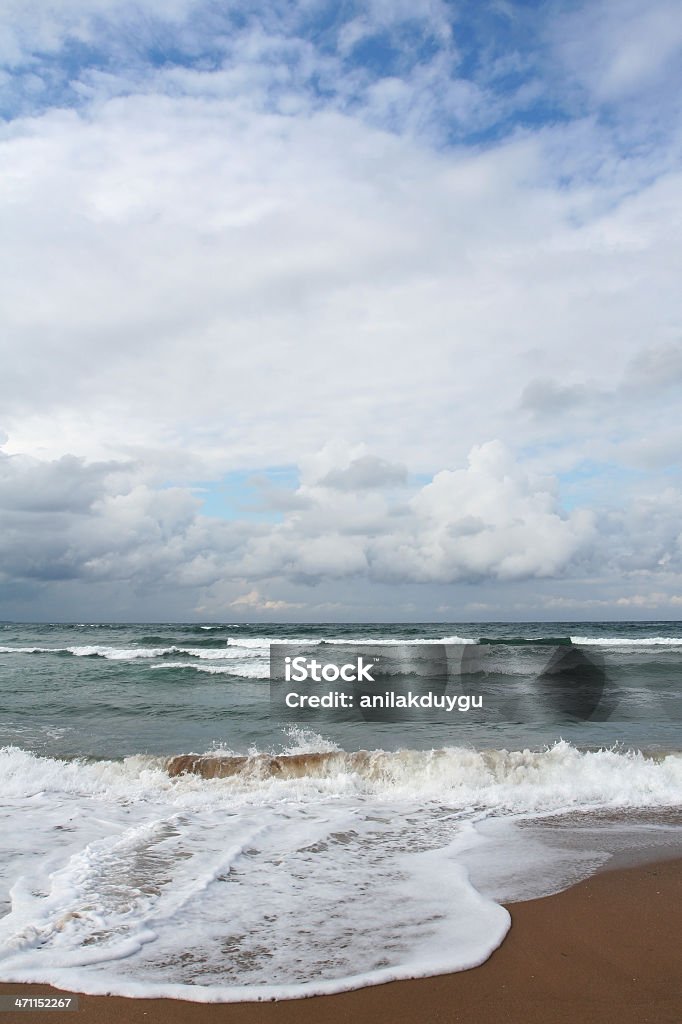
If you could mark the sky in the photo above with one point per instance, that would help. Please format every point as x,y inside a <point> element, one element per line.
<point>359,311</point>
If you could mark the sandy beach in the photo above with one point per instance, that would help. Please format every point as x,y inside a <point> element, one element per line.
<point>604,952</point>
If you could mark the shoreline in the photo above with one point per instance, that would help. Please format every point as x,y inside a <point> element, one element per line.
<point>605,951</point>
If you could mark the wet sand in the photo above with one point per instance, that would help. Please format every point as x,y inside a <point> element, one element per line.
<point>607,951</point>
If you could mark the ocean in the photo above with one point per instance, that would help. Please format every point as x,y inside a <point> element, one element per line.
<point>389,858</point>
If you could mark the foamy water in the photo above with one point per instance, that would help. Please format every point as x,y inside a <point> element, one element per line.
<point>380,851</point>
<point>118,878</point>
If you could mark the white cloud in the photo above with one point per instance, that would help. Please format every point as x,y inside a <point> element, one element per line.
<point>238,286</point>
<point>618,47</point>
<point>98,523</point>
<point>31,27</point>
<point>253,601</point>
<point>491,518</point>
<point>69,525</point>
<point>269,250</point>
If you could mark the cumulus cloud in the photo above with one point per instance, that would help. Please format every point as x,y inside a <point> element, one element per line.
<point>491,518</point>
<point>253,601</point>
<point>71,520</point>
<point>490,521</point>
<point>236,235</point>
<point>95,521</point>
<point>366,472</point>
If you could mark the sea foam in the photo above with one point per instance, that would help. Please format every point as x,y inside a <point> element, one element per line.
<point>338,869</point>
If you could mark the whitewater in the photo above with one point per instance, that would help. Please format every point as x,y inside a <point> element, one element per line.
<point>162,835</point>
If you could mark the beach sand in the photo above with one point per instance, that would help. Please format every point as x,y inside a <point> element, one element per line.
<point>607,951</point>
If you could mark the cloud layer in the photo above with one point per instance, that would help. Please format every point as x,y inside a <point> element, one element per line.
<point>75,524</point>
<point>359,244</point>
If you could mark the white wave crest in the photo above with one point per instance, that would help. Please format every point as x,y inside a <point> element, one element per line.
<point>119,878</point>
<point>234,668</point>
<point>605,641</point>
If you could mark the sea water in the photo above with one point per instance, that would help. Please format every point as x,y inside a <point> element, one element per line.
<point>391,863</point>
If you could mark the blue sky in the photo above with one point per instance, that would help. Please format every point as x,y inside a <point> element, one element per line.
<point>320,311</point>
